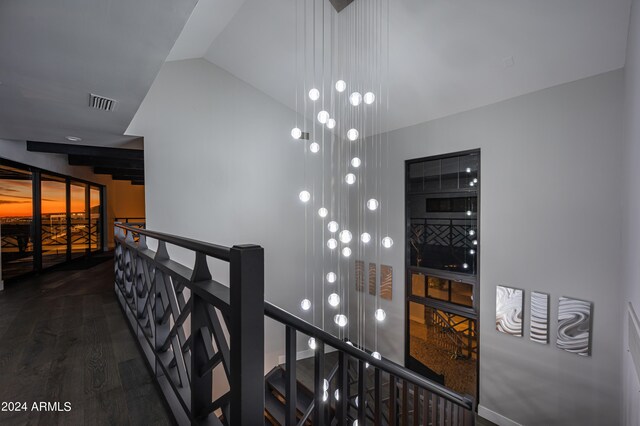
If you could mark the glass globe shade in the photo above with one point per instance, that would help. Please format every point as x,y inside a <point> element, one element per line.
<point>296,133</point>
<point>475,180</point>
<point>331,123</point>
<point>355,162</point>
<point>304,196</point>
<point>332,226</point>
<point>472,232</point>
<point>355,422</point>
<point>350,178</point>
<point>323,116</point>
<point>314,147</point>
<point>468,170</point>
<point>471,183</point>
<point>341,86</point>
<point>369,98</point>
<point>312,343</point>
<point>372,204</point>
<point>469,212</point>
<point>305,304</point>
<point>465,265</point>
<point>475,242</point>
<point>333,299</point>
<point>472,251</point>
<point>325,396</point>
<point>322,212</point>
<point>314,94</point>
<point>352,134</point>
<point>380,314</point>
<point>336,394</point>
<point>355,98</point>
<point>332,277</point>
<point>346,252</point>
<point>376,355</point>
<point>387,242</point>
<point>332,243</point>
<point>340,320</point>
<point>345,236</point>
<point>325,384</point>
<point>365,237</point>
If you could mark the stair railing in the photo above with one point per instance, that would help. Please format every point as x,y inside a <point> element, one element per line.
<point>400,395</point>
<point>181,318</point>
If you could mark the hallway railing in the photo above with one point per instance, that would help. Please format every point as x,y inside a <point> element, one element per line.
<point>188,325</point>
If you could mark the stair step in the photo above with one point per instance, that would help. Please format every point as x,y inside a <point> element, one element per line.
<point>276,381</point>
<point>274,409</point>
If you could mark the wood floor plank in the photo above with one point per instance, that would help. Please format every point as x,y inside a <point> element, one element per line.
<point>63,337</point>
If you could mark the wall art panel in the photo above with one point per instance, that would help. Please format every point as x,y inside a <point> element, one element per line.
<point>509,310</point>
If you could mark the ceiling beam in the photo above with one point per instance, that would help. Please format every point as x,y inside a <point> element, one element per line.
<point>86,150</point>
<point>79,160</point>
<point>117,171</point>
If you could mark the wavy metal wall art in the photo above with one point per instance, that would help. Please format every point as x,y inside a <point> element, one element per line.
<point>574,326</point>
<point>509,310</point>
<point>539,331</point>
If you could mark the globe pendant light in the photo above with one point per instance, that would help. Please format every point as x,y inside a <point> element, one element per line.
<point>331,277</point>
<point>352,134</point>
<point>332,226</point>
<point>350,178</point>
<point>372,204</point>
<point>341,86</point>
<point>333,299</point>
<point>380,314</point>
<point>304,196</point>
<point>305,304</point>
<point>387,242</point>
<point>369,98</point>
<point>340,320</point>
<point>332,243</point>
<point>314,94</point>
<point>355,162</point>
<point>345,236</point>
<point>296,133</point>
<point>323,116</point>
<point>355,98</point>
<point>322,212</point>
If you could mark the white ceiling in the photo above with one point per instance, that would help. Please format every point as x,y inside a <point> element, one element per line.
<point>53,54</point>
<point>446,56</point>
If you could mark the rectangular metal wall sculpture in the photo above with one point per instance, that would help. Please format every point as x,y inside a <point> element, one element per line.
<point>372,279</point>
<point>509,310</point>
<point>539,329</point>
<point>386,282</point>
<point>574,326</point>
<point>359,275</point>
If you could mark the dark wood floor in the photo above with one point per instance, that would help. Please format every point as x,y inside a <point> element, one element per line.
<point>63,338</point>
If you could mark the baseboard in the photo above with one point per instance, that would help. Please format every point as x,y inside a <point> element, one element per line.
<point>496,418</point>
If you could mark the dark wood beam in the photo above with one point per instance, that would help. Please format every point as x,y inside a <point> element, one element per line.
<point>127,177</point>
<point>85,150</point>
<point>78,160</point>
<point>137,182</point>
<point>118,171</point>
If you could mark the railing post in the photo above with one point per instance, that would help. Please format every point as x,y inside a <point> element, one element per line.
<point>246,332</point>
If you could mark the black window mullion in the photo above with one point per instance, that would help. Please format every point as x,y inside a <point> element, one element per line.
<point>37,221</point>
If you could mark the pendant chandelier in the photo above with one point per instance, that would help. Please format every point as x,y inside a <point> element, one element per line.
<point>341,69</point>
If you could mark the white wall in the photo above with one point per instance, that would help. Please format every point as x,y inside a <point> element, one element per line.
<point>220,167</point>
<point>631,248</point>
<point>550,221</point>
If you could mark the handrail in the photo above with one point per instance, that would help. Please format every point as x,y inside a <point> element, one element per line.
<point>213,250</point>
<point>397,370</point>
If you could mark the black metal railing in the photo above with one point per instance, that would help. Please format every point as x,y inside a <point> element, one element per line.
<point>181,317</point>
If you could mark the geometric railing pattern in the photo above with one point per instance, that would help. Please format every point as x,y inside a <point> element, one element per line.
<point>189,325</point>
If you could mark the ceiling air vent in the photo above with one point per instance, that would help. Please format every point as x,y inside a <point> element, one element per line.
<point>102,103</point>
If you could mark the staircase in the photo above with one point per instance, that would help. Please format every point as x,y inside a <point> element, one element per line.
<point>187,324</point>
<point>275,398</point>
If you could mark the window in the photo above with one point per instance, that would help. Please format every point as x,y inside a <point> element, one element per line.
<point>442,205</point>
<point>16,220</point>
<point>45,218</point>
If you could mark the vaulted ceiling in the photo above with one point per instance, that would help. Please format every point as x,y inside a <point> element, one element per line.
<point>446,56</point>
<point>54,54</point>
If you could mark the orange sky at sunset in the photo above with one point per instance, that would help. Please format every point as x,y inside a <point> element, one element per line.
<point>15,198</point>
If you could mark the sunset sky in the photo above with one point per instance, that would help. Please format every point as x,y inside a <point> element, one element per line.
<point>15,198</point>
